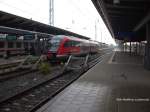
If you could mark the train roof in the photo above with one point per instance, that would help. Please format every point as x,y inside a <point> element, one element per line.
<point>74,38</point>
<point>67,37</point>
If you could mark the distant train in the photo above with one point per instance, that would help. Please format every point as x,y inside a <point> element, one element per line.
<point>61,46</point>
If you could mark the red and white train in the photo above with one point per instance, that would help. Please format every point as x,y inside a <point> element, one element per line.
<point>61,46</point>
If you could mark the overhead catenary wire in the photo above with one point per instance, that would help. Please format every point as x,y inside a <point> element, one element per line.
<point>83,14</point>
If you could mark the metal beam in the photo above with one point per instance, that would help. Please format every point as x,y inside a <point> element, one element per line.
<point>115,16</point>
<point>125,11</point>
<point>25,22</point>
<point>123,7</point>
<point>51,12</point>
<point>121,13</point>
<point>142,22</point>
<point>4,17</point>
<point>16,20</point>
<point>135,0</point>
<point>4,29</point>
<point>102,10</point>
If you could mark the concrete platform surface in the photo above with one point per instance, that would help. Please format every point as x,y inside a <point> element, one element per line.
<point>107,87</point>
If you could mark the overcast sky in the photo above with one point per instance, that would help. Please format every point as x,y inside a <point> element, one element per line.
<point>79,16</point>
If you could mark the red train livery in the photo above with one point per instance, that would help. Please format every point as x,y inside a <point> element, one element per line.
<point>61,46</point>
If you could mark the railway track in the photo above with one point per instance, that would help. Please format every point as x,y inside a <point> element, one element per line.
<point>15,69</point>
<point>8,65</point>
<point>32,98</point>
<point>4,67</point>
<point>17,73</point>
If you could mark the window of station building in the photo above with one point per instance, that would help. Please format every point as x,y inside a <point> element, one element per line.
<point>10,44</point>
<point>18,44</point>
<point>2,44</point>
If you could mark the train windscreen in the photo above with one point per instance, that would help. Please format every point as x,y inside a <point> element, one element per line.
<point>54,44</point>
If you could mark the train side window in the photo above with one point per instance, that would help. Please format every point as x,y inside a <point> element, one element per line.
<point>1,44</point>
<point>10,44</point>
<point>74,43</point>
<point>18,44</point>
<point>77,43</point>
<point>68,44</point>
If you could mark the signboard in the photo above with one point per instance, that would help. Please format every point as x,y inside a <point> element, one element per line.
<point>28,37</point>
<point>9,37</point>
<point>3,36</point>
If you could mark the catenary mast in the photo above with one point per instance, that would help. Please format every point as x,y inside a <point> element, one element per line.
<point>51,12</point>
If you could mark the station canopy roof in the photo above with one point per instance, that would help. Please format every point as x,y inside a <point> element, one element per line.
<point>17,22</point>
<point>125,19</point>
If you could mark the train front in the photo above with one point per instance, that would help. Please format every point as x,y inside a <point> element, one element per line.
<point>53,47</point>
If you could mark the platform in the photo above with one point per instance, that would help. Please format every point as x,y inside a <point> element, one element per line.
<point>117,84</point>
